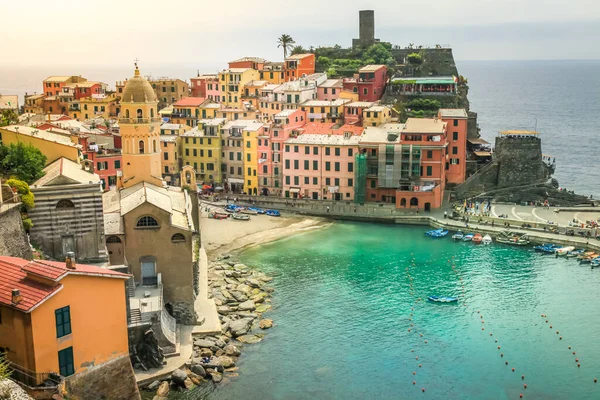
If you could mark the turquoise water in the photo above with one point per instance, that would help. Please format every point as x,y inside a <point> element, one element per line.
<point>342,310</point>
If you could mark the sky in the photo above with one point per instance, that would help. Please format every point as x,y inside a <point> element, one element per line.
<point>210,33</point>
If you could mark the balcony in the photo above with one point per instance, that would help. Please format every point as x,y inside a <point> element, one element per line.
<point>139,120</point>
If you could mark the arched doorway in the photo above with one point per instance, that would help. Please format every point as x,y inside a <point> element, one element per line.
<point>414,202</point>
<point>403,202</point>
<point>116,251</point>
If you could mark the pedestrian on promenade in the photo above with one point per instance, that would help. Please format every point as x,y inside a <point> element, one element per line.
<point>327,208</point>
<point>445,214</point>
<point>417,210</point>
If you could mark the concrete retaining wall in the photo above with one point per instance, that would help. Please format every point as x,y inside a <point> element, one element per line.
<point>13,240</point>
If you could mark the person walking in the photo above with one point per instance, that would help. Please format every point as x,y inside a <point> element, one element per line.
<point>327,208</point>
<point>445,214</point>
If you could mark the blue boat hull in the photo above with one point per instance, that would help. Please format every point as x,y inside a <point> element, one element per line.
<point>442,299</point>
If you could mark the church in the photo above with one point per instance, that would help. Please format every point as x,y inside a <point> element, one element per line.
<point>149,226</point>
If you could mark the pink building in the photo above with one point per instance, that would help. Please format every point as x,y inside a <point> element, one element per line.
<point>285,124</point>
<point>320,166</point>
<point>371,82</point>
<point>330,89</point>
<point>353,112</point>
<point>206,86</point>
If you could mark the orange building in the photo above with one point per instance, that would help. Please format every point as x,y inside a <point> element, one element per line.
<point>456,120</point>
<point>60,317</point>
<point>53,85</point>
<point>298,65</point>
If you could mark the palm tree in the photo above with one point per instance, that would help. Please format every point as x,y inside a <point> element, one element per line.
<point>298,50</point>
<point>284,41</point>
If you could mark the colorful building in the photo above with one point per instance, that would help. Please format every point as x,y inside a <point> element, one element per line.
<point>330,90</point>
<point>232,83</point>
<point>34,104</point>
<point>187,111</point>
<point>353,112</point>
<point>371,82</point>
<point>53,85</point>
<point>206,86</point>
<point>52,145</point>
<point>240,138</point>
<point>323,110</point>
<point>166,90</point>
<point>273,72</point>
<point>98,106</point>
<point>456,121</point>
<point>60,317</point>
<point>320,166</point>
<point>170,144</point>
<point>256,63</point>
<point>431,85</point>
<point>376,115</point>
<point>299,65</point>
<point>201,148</point>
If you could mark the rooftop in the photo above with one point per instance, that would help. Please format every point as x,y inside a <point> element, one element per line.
<point>168,138</point>
<point>518,132</point>
<point>325,103</point>
<point>211,121</point>
<point>453,113</point>
<point>285,113</point>
<point>171,126</point>
<point>299,56</point>
<point>424,125</point>
<point>330,128</point>
<point>371,68</point>
<point>379,135</point>
<point>66,172</point>
<point>361,104</point>
<point>14,275</point>
<point>235,70</point>
<point>333,140</point>
<point>331,83</point>
<point>256,83</point>
<point>377,108</point>
<point>190,102</point>
<point>41,134</point>
<point>57,79</point>
<point>246,124</point>
<point>251,59</point>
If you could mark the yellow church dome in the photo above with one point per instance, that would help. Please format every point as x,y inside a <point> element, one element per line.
<point>138,90</point>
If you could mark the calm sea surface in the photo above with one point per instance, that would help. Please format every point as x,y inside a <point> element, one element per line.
<point>343,305</point>
<point>564,97</point>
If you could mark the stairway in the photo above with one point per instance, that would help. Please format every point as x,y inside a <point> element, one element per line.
<point>135,317</point>
<point>131,287</point>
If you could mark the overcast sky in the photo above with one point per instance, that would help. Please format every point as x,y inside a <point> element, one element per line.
<point>208,33</point>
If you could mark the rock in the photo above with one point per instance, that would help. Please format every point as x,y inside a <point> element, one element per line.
<point>203,343</point>
<point>244,288</point>
<point>232,350</point>
<point>247,306</point>
<point>226,256</point>
<point>232,369</point>
<point>206,353</point>
<point>195,361</point>
<point>216,377</point>
<point>263,307</point>
<point>239,296</point>
<point>240,327</point>
<point>214,349</point>
<point>225,326</point>
<point>218,301</point>
<point>265,278</point>
<point>153,386</point>
<point>254,292</point>
<point>178,377</point>
<point>265,323</point>
<point>225,293</point>
<point>231,263</point>
<point>225,361</point>
<point>219,353</point>
<point>253,282</point>
<point>188,384</point>
<point>224,338</point>
<point>258,298</point>
<point>224,310</point>
<point>250,339</point>
<point>199,370</point>
<point>240,266</point>
<point>196,380</point>
<point>163,389</point>
<point>220,343</point>
<point>244,314</point>
<point>233,374</point>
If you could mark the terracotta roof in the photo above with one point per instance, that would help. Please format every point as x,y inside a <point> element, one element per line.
<point>190,102</point>
<point>14,271</point>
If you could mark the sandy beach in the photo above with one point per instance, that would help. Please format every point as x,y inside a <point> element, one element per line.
<point>226,236</point>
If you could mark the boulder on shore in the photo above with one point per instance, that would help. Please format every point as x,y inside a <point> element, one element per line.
<point>250,339</point>
<point>265,323</point>
<point>163,389</point>
<point>240,327</point>
<point>199,370</point>
<point>203,343</point>
<point>232,350</point>
<point>247,306</point>
<point>225,361</point>
<point>178,377</point>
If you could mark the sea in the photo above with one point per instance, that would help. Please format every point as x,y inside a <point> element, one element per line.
<point>560,99</point>
<point>352,321</point>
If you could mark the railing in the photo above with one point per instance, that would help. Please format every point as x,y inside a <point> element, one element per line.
<point>139,120</point>
<point>167,322</point>
<point>32,378</point>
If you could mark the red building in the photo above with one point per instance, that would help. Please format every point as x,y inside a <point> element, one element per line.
<point>371,82</point>
<point>199,85</point>
<point>456,120</point>
<point>298,65</point>
<point>107,163</point>
<point>256,63</point>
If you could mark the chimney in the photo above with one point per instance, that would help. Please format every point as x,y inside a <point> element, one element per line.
<point>16,296</point>
<point>70,260</point>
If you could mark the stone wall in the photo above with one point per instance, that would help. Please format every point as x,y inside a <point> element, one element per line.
<point>111,380</point>
<point>484,180</point>
<point>13,240</point>
<point>519,161</point>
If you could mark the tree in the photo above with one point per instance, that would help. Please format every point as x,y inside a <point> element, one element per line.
<point>24,162</point>
<point>298,50</point>
<point>415,59</point>
<point>284,41</point>
<point>8,117</point>
<point>379,53</point>
<point>4,367</point>
<point>22,188</point>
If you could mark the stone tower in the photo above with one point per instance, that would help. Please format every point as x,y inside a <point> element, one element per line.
<point>366,29</point>
<point>140,130</point>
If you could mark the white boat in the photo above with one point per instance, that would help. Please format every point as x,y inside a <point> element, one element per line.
<point>487,239</point>
<point>563,251</point>
<point>457,236</point>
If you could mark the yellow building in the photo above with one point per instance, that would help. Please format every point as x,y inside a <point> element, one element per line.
<point>324,110</point>
<point>170,144</point>
<point>232,83</point>
<point>173,129</point>
<point>273,73</point>
<point>377,115</point>
<point>201,148</point>
<point>209,109</point>
<point>252,93</point>
<point>52,145</point>
<point>34,104</point>
<point>94,107</point>
<point>46,310</point>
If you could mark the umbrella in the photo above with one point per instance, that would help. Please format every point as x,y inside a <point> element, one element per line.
<point>218,188</point>
<point>206,187</point>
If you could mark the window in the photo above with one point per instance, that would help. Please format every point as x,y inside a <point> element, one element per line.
<point>166,170</point>
<point>328,181</point>
<point>177,238</point>
<point>295,149</point>
<point>337,181</point>
<point>141,145</point>
<point>337,166</point>
<point>248,157</point>
<point>315,150</point>
<point>350,182</point>
<point>365,91</point>
<point>187,152</point>
<point>455,122</point>
<point>454,161</point>
<point>296,180</point>
<point>337,151</point>
<point>429,170</point>
<point>315,181</point>
<point>306,180</point>
<point>350,152</point>
<point>454,135</point>
<point>63,321</point>
<point>287,180</point>
<point>64,203</point>
<point>454,150</point>
<point>287,148</point>
<point>276,170</point>
<point>65,362</point>
<point>327,151</point>
<point>373,183</point>
<point>327,166</point>
<point>265,169</point>
<point>195,152</point>
<point>210,153</point>
<point>306,149</point>
<point>429,154</point>
<point>112,181</point>
<point>296,164</point>
<point>350,167</point>
<point>249,171</point>
<point>287,164</point>
<point>306,165</point>
<point>166,156</point>
<point>315,165</point>
<point>118,164</point>
<point>147,222</point>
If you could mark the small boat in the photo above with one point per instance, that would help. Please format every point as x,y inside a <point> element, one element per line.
<point>248,211</point>
<point>433,232</point>
<point>273,213</point>
<point>457,236</point>
<point>563,251</point>
<point>257,209</point>
<point>487,239</point>
<point>240,217</point>
<point>477,238</point>
<point>442,299</point>
<point>439,234</point>
<point>575,253</point>
<point>595,262</point>
<point>232,208</point>
<point>547,248</point>
<point>585,255</point>
<point>468,237</point>
<point>217,215</point>
<point>513,238</point>
<point>589,258</point>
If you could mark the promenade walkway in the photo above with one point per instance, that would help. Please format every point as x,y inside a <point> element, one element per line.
<point>205,306</point>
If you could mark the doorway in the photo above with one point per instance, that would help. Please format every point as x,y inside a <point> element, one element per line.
<point>149,277</point>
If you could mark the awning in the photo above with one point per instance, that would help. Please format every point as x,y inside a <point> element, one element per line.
<point>477,141</point>
<point>235,180</point>
<point>482,153</point>
<point>295,190</point>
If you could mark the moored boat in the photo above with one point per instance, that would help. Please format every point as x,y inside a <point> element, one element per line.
<point>257,209</point>
<point>433,232</point>
<point>589,258</point>
<point>595,262</point>
<point>273,213</point>
<point>575,253</point>
<point>468,237</point>
<point>442,299</point>
<point>563,251</point>
<point>513,238</point>
<point>477,238</point>
<point>217,215</point>
<point>439,234</point>
<point>240,217</point>
<point>585,255</point>
<point>248,211</point>
<point>458,236</point>
<point>487,239</point>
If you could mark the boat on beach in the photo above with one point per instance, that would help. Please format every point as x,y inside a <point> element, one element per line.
<point>248,211</point>
<point>487,239</point>
<point>477,238</point>
<point>468,237</point>
<point>563,251</point>
<point>458,236</point>
<point>442,299</point>
<point>513,238</point>
<point>240,217</point>
<point>217,215</point>
<point>273,213</point>
<point>257,209</point>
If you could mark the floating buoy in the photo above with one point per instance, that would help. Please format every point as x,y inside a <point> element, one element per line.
<point>417,357</point>
<point>501,354</point>
<point>423,390</point>
<point>573,353</point>
<point>577,360</point>
<point>578,365</point>
<point>412,350</point>
<point>482,328</point>
<point>426,341</point>
<point>557,332</point>
<point>414,372</point>
<point>498,347</point>
<point>409,329</point>
<point>569,347</point>
<point>550,326</point>
<point>496,340</point>
<point>521,395</point>
<point>525,386</point>
<point>414,383</point>
<point>421,334</point>
<point>560,338</point>
<point>506,362</point>
<point>546,321</point>
<point>482,321</point>
<point>490,333</point>
<point>513,370</point>
<point>481,316</point>
<point>595,380</point>
<point>420,365</point>
<point>477,311</point>
<point>523,377</point>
